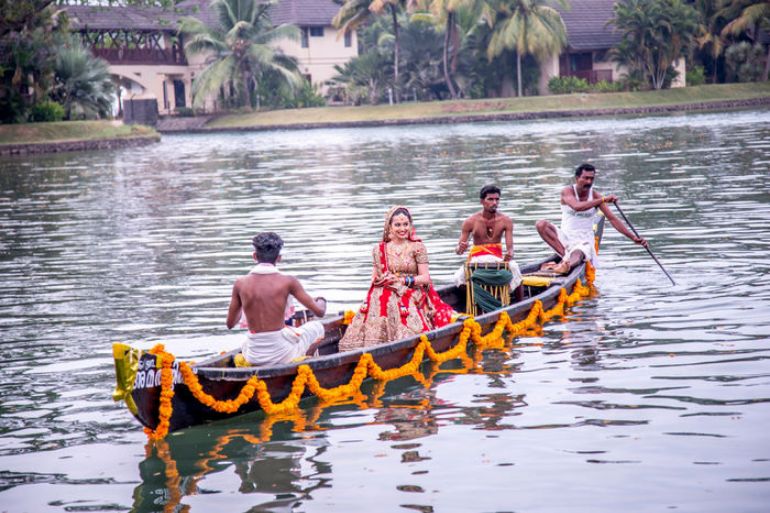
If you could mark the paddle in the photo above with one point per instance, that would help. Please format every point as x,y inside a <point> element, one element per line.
<point>647,248</point>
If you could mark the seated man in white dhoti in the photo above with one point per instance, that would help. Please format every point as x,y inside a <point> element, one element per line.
<point>488,227</point>
<point>574,240</point>
<point>263,296</point>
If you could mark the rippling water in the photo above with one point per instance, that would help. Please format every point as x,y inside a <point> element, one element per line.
<point>647,397</point>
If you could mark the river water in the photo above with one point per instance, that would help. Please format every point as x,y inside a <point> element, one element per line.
<point>646,397</point>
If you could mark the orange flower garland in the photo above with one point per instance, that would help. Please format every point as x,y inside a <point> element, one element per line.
<point>164,361</point>
<point>366,366</point>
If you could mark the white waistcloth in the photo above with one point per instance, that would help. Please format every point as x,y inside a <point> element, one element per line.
<point>576,232</point>
<point>578,241</point>
<point>459,275</point>
<point>282,346</point>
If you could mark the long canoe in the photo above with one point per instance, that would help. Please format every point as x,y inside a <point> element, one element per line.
<point>139,374</point>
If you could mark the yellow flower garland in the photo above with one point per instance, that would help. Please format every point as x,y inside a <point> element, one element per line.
<point>164,361</point>
<point>366,366</point>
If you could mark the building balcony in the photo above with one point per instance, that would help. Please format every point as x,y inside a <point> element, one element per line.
<point>147,56</point>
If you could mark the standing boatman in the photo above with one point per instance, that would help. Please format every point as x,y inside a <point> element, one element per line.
<point>574,240</point>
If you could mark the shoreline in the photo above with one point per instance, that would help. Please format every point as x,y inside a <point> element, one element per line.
<point>111,143</point>
<point>484,117</point>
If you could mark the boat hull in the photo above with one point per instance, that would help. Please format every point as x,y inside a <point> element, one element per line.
<point>220,379</point>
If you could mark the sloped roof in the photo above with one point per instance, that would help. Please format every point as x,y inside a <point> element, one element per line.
<point>295,12</point>
<point>587,27</point>
<point>97,17</point>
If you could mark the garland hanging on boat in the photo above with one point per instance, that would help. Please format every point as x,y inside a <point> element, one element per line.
<point>306,379</point>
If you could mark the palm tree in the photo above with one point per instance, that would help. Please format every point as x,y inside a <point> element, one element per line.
<point>752,15</point>
<point>448,13</point>
<point>355,13</point>
<point>656,33</point>
<point>529,27</point>
<point>238,50</point>
<point>82,82</point>
<point>710,26</point>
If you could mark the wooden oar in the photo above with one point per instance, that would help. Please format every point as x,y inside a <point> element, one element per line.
<point>647,248</point>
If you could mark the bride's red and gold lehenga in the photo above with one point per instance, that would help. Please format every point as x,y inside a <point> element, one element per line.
<point>394,311</point>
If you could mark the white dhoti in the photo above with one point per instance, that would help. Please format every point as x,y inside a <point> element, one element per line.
<point>282,346</point>
<point>582,241</point>
<point>459,275</point>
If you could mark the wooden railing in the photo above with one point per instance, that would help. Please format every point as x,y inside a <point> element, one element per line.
<point>591,76</point>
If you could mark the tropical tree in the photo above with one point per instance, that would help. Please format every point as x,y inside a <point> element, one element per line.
<point>29,30</point>
<point>529,27</point>
<point>449,15</point>
<point>753,15</point>
<point>655,34</point>
<point>709,37</point>
<point>82,82</point>
<point>356,13</point>
<point>238,51</point>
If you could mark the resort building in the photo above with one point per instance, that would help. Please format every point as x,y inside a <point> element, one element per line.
<point>146,52</point>
<point>589,39</point>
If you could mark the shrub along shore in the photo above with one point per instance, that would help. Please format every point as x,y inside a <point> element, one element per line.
<point>90,135</point>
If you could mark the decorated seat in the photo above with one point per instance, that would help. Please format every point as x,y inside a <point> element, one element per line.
<point>487,287</point>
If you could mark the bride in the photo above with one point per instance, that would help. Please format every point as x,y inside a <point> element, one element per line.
<point>401,301</point>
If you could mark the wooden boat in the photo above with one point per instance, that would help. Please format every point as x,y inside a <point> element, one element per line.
<point>139,375</point>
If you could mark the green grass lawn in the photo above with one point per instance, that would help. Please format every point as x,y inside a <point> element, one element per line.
<point>70,131</point>
<point>404,111</point>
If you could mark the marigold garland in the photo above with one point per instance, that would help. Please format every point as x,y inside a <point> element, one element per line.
<point>164,361</point>
<point>366,366</point>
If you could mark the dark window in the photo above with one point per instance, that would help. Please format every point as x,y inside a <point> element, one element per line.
<point>348,39</point>
<point>178,93</point>
<point>303,37</point>
<point>317,31</point>
<point>165,95</point>
<point>581,61</point>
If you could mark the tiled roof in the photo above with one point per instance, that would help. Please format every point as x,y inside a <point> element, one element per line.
<point>587,27</point>
<point>131,18</point>
<point>295,12</point>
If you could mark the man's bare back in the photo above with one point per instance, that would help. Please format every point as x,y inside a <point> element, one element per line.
<point>263,299</point>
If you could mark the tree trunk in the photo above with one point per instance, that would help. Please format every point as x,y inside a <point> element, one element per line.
<point>396,52</point>
<point>447,39</point>
<point>518,73</point>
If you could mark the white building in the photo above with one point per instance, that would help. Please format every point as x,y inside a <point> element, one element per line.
<point>146,52</point>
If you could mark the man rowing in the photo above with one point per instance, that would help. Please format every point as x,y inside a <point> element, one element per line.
<point>574,240</point>
<point>488,227</point>
<point>262,295</point>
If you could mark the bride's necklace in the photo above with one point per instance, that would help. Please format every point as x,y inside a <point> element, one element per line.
<point>397,249</point>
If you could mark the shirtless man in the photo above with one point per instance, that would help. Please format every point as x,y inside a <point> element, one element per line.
<point>263,295</point>
<point>488,228</point>
<point>574,240</point>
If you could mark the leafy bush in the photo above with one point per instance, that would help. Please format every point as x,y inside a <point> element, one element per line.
<point>695,76</point>
<point>633,81</point>
<point>744,62</point>
<point>567,85</point>
<point>46,111</point>
<point>603,86</point>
